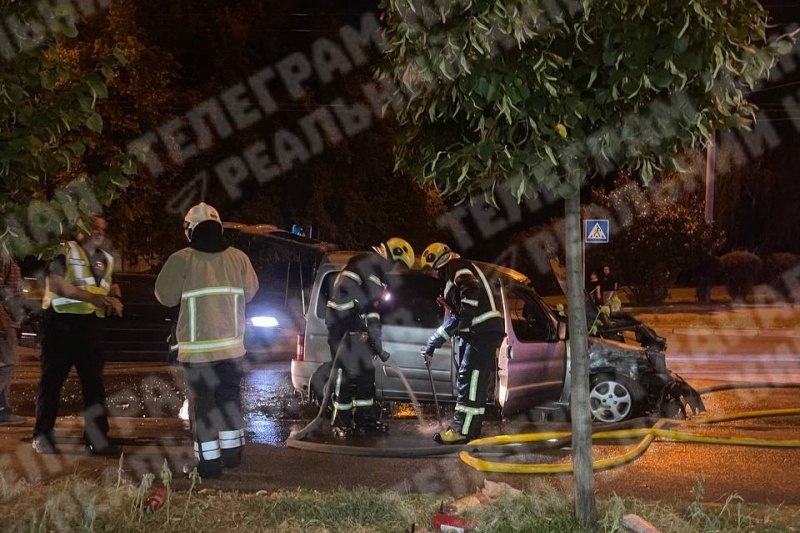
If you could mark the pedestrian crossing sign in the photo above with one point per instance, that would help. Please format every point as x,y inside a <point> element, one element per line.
<point>596,231</point>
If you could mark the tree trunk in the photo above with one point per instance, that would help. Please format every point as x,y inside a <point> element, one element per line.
<point>585,508</point>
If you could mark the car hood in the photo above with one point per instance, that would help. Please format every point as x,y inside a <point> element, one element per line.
<point>613,354</point>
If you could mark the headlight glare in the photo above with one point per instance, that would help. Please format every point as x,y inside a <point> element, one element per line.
<point>264,322</point>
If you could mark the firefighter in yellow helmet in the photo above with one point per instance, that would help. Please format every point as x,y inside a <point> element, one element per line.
<point>354,332</point>
<point>477,319</point>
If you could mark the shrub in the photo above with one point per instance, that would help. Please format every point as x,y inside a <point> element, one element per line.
<point>660,232</point>
<point>775,266</point>
<point>740,271</point>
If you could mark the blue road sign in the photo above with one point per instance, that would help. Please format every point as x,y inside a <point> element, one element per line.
<point>596,231</point>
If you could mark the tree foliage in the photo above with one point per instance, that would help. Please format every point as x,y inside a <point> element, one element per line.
<point>185,52</point>
<point>660,233</point>
<point>514,94</point>
<point>536,95</point>
<point>49,129</point>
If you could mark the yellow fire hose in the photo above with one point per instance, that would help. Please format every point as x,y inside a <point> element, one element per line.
<point>648,434</point>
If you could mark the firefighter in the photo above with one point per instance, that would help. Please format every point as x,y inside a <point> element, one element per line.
<point>211,282</point>
<point>354,330</point>
<point>78,294</point>
<point>476,319</point>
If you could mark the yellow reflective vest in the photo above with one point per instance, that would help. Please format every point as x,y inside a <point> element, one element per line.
<point>79,273</point>
<point>212,289</point>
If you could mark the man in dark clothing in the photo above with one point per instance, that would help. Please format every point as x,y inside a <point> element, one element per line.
<point>11,287</point>
<point>79,294</point>
<point>475,318</point>
<point>608,286</point>
<point>354,332</point>
<point>593,288</point>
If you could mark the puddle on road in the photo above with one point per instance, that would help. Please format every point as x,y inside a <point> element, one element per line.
<point>271,408</point>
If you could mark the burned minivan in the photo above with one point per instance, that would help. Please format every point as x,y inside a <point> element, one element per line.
<point>533,362</point>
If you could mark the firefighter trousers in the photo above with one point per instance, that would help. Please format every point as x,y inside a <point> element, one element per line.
<point>354,383</point>
<point>476,369</point>
<point>215,411</point>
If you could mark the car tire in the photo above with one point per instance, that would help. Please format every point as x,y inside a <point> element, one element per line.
<point>614,398</point>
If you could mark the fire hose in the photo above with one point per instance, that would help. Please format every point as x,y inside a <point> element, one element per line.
<point>648,437</point>
<point>298,440</point>
<point>516,442</point>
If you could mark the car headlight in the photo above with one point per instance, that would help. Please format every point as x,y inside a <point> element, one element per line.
<point>263,322</point>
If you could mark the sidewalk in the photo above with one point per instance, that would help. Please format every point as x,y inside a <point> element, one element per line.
<point>681,314</point>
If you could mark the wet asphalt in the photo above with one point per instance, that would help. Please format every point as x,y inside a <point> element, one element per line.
<point>144,400</point>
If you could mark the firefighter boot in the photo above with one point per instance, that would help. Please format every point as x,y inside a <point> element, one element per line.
<point>342,424</point>
<point>367,423</point>
<point>232,457</point>
<point>372,428</point>
<point>210,469</point>
<point>451,437</point>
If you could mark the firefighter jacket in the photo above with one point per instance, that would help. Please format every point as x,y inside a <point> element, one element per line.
<point>469,295</point>
<point>79,273</point>
<point>356,296</point>
<point>212,289</point>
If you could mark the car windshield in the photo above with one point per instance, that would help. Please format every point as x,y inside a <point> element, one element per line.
<point>410,300</point>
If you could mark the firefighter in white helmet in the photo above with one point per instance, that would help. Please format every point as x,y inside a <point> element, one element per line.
<point>354,331</point>
<point>212,282</point>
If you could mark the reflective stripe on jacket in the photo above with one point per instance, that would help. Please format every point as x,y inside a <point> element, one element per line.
<point>212,289</point>
<point>357,289</point>
<point>470,295</point>
<point>79,273</point>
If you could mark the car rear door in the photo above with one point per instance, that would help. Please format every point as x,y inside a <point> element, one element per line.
<point>532,360</point>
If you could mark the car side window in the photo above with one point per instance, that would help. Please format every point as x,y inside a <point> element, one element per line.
<point>530,322</point>
<point>410,300</point>
<point>325,290</point>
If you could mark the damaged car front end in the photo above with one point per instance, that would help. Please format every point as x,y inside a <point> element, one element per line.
<point>627,382</point>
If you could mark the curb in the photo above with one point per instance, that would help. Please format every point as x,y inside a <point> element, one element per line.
<point>775,333</point>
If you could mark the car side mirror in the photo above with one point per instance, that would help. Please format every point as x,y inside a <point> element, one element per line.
<point>562,331</point>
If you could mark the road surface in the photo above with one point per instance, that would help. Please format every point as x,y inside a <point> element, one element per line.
<point>144,400</point>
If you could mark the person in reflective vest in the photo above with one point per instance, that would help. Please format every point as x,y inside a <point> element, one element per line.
<point>212,282</point>
<point>354,332</point>
<point>78,294</point>
<point>477,320</point>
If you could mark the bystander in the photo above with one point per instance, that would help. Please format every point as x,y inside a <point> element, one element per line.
<point>79,294</point>
<point>11,287</point>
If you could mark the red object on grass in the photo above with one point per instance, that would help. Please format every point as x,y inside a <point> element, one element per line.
<point>155,500</point>
<point>447,523</point>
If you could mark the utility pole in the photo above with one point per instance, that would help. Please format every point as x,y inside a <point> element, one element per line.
<point>711,167</point>
<point>704,286</point>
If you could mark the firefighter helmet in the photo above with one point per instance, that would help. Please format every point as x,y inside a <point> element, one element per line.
<point>202,212</point>
<point>437,255</point>
<point>396,249</point>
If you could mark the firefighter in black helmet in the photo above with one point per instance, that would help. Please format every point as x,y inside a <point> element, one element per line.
<point>476,319</point>
<point>354,332</point>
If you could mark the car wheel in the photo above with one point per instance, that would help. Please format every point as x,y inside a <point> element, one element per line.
<point>614,398</point>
